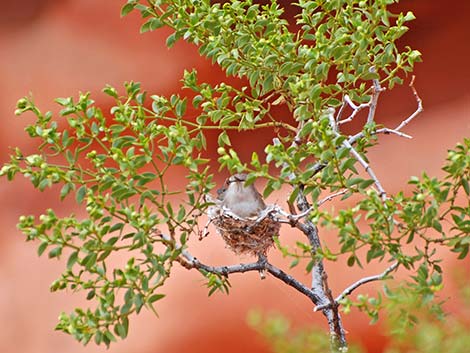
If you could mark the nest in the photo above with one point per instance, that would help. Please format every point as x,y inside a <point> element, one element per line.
<point>247,236</point>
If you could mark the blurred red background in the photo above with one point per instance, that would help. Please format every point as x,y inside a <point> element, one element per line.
<point>55,49</point>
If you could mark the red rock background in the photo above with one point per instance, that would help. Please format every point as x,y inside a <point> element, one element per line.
<point>54,49</point>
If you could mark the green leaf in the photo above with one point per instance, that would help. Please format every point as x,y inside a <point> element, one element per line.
<point>155,297</point>
<point>56,252</point>
<point>127,8</point>
<point>223,139</point>
<point>365,183</point>
<point>120,330</point>
<point>409,16</point>
<point>42,247</point>
<point>66,190</point>
<point>351,260</point>
<point>72,259</point>
<point>151,25</point>
<point>171,40</point>
<point>80,194</point>
<point>294,263</point>
<point>64,101</point>
<point>310,266</point>
<point>89,261</point>
<point>466,186</point>
<point>110,336</point>
<point>180,108</point>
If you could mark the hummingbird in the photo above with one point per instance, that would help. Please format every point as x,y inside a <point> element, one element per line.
<point>244,201</point>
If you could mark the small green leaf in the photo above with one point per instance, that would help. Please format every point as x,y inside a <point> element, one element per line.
<point>80,195</point>
<point>42,247</point>
<point>120,330</point>
<point>171,40</point>
<point>155,297</point>
<point>56,252</point>
<point>294,263</point>
<point>310,266</point>
<point>66,190</point>
<point>466,186</point>
<point>72,260</point>
<point>409,16</point>
<point>223,139</point>
<point>127,8</point>
<point>351,260</point>
<point>91,294</point>
<point>180,108</point>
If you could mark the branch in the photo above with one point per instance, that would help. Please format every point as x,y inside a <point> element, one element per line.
<point>356,155</point>
<point>331,197</point>
<point>292,218</point>
<point>319,278</point>
<point>375,98</point>
<point>188,261</point>
<point>372,104</point>
<point>387,131</point>
<point>353,139</point>
<point>357,284</point>
<point>291,281</point>
<point>418,110</point>
<point>356,109</point>
<point>222,270</point>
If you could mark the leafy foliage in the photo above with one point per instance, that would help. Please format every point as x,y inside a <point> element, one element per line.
<point>447,334</point>
<point>282,338</point>
<point>433,334</point>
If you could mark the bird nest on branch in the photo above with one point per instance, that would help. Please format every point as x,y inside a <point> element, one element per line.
<point>247,236</point>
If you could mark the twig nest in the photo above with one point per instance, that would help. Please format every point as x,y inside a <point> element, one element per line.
<point>247,236</point>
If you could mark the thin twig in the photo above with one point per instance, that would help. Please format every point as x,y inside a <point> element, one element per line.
<point>331,197</point>
<point>356,109</point>
<point>387,131</point>
<point>418,110</point>
<point>357,284</point>
<point>372,104</point>
<point>205,232</point>
<point>341,109</point>
<point>296,217</point>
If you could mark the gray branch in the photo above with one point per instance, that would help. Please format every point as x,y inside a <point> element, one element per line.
<point>357,284</point>
<point>375,98</point>
<point>189,261</point>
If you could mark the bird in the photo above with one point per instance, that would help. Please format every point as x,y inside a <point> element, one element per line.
<point>242,200</point>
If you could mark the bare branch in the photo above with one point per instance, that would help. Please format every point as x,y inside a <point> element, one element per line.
<point>357,284</point>
<point>189,261</point>
<point>224,270</point>
<point>387,131</point>
<point>291,281</point>
<point>358,157</point>
<point>341,109</point>
<point>375,98</point>
<point>356,110</point>
<point>331,197</point>
<point>296,217</point>
<point>365,280</point>
<point>368,169</point>
<point>318,270</point>
<point>418,110</point>
<point>372,104</point>
<point>353,139</point>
